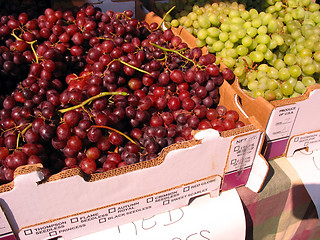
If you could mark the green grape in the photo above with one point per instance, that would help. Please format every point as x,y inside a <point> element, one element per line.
<point>271,9</point>
<point>253,13</point>
<point>241,33</point>
<point>202,34</point>
<point>256,56</point>
<point>242,50</point>
<point>313,7</point>
<point>266,18</point>
<point>229,62</point>
<point>278,39</point>
<point>209,40</point>
<point>195,24</point>
<point>252,32</point>
<point>214,20</point>
<point>234,13</point>
<point>175,23</point>
<point>204,21</point>
<point>188,22</point>
<point>245,15</point>
<point>252,76</point>
<point>300,87</point>
<point>268,55</point>
<point>279,63</point>
<point>262,86</point>
<point>309,69</point>
<point>298,13</point>
<point>256,22</point>
<point>232,53</point>
<point>269,95</point>
<point>261,48</point>
<point>292,81</point>
<point>262,30</point>
<point>272,44</point>
<point>272,73</point>
<point>200,43</point>
<point>213,32</point>
<point>247,25</point>
<point>192,15</point>
<point>261,75</point>
<point>263,38</point>
<point>239,70</point>
<point>295,71</point>
<point>218,46</point>
<point>286,88</point>
<point>225,27</point>
<point>272,84</point>
<point>278,94</point>
<point>308,81</point>
<point>228,44</point>
<point>253,46</point>
<point>233,37</point>
<point>263,67</point>
<point>253,85</point>
<point>246,60</point>
<point>258,93</point>
<point>284,74</point>
<point>305,60</point>
<point>223,36</point>
<point>278,6</point>
<point>246,41</point>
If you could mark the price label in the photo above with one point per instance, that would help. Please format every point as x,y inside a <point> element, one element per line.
<point>242,152</point>
<point>281,122</point>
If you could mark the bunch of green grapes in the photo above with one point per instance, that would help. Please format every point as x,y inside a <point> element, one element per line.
<point>274,53</point>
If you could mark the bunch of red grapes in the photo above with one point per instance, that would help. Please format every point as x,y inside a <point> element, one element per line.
<point>102,90</point>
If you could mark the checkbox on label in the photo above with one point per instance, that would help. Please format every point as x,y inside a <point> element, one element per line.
<point>166,202</point>
<point>150,199</point>
<point>112,210</point>
<point>52,233</point>
<point>186,189</point>
<point>102,220</point>
<point>28,232</point>
<point>74,220</point>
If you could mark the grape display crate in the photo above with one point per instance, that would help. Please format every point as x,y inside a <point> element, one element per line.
<point>284,121</point>
<point>70,204</point>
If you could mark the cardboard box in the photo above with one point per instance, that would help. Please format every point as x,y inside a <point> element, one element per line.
<point>70,204</point>
<point>285,120</point>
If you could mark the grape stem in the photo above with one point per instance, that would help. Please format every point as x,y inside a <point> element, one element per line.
<point>117,131</point>
<point>129,65</point>
<point>174,51</point>
<point>30,43</point>
<point>164,17</point>
<point>91,99</point>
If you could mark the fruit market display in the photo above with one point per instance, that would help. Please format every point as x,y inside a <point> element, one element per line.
<point>275,52</point>
<point>100,90</point>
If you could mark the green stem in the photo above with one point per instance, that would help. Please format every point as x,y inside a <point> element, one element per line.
<point>164,16</point>
<point>91,99</point>
<point>129,65</point>
<point>174,51</point>
<point>117,131</point>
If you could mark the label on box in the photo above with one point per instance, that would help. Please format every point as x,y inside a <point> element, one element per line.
<point>5,229</point>
<point>205,218</point>
<point>281,121</point>
<point>310,140</point>
<point>113,215</point>
<point>242,152</point>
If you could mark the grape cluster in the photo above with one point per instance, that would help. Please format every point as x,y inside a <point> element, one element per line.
<point>104,90</point>
<point>274,53</point>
